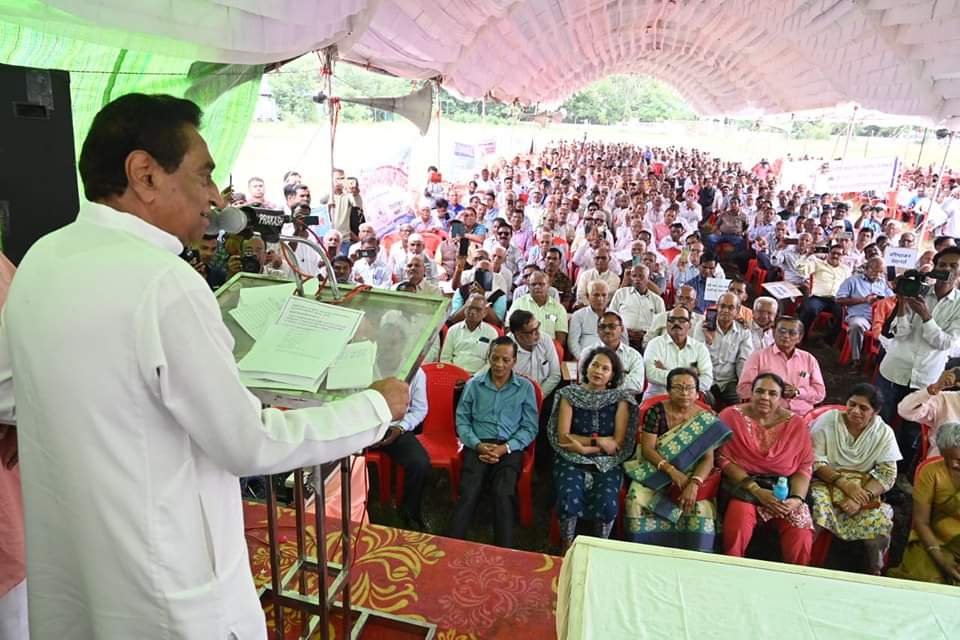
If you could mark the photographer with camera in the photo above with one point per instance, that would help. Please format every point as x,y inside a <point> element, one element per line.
<point>923,329</point>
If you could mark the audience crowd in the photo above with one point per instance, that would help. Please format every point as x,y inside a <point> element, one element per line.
<point>607,304</point>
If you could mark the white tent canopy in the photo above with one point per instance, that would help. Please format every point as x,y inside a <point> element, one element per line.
<point>723,56</point>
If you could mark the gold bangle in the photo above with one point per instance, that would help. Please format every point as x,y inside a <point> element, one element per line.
<point>697,479</point>
<point>661,463</point>
<point>934,546</point>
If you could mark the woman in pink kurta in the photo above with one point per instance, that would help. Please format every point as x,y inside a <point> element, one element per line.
<point>13,592</point>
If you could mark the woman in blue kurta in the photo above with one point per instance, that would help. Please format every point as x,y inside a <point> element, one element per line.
<point>590,431</point>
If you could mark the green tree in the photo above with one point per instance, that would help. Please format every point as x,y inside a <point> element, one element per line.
<point>293,87</point>
<point>622,98</point>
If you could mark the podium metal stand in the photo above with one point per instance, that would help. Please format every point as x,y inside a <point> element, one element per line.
<point>288,590</point>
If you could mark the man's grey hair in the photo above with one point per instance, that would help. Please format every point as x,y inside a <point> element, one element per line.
<point>948,436</point>
<point>762,300</point>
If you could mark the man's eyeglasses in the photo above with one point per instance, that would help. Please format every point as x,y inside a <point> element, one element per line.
<point>678,320</point>
<point>528,332</point>
<point>783,331</point>
<point>608,326</point>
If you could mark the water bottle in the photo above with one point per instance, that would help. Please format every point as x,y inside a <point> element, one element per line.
<point>781,490</point>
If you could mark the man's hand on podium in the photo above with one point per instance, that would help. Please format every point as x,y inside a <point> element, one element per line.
<point>397,394</point>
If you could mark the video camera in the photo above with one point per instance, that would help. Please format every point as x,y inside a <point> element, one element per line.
<point>913,283</point>
<point>247,220</point>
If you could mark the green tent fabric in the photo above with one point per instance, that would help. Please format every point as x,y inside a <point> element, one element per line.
<point>98,74</point>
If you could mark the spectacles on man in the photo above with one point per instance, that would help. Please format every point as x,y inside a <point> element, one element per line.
<point>608,326</point>
<point>674,320</point>
<point>530,331</point>
<point>788,332</point>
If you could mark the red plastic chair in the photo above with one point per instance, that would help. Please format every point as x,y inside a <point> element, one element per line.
<point>670,253</point>
<point>431,241</point>
<point>811,416</point>
<point>752,266</point>
<point>924,441</point>
<point>559,347</point>
<point>384,466</point>
<point>525,482</point>
<point>439,437</point>
<point>388,240</point>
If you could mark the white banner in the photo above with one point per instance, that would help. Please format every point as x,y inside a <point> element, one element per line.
<point>464,160</point>
<point>385,188</point>
<point>836,176</point>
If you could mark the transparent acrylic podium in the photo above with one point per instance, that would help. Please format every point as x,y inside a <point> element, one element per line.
<point>421,317</point>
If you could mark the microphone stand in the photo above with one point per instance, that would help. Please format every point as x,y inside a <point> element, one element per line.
<point>286,241</point>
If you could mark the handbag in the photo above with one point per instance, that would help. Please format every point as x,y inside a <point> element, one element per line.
<point>738,490</point>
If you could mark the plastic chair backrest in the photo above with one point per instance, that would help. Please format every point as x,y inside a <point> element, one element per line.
<point>499,330</point>
<point>811,416</point>
<point>388,240</point>
<point>879,311</point>
<point>670,253</point>
<point>752,265</point>
<point>441,378</point>
<point>431,241</point>
<point>537,391</point>
<point>559,348</point>
<point>916,474</point>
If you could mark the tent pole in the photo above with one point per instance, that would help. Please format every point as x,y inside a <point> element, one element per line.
<point>329,54</point>
<point>439,116</point>
<point>922,141</point>
<point>846,144</point>
<point>937,189</point>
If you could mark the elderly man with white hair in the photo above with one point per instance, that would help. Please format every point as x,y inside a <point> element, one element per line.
<point>415,247</point>
<point>366,230</point>
<point>761,326</point>
<point>583,322</point>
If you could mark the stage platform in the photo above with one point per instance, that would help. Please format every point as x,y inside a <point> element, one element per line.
<point>470,591</point>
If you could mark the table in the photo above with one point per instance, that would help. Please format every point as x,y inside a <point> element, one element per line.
<point>612,590</point>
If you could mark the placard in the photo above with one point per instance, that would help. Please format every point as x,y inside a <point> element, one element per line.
<point>901,258</point>
<point>782,290</point>
<point>715,288</point>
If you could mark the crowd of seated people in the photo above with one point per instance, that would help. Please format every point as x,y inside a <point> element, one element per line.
<point>680,396</point>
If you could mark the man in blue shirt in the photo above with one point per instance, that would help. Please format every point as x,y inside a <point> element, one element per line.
<point>708,265</point>
<point>858,293</point>
<point>496,420</point>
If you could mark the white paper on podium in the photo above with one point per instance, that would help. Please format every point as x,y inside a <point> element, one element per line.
<point>354,368</point>
<point>255,317</point>
<point>297,349</point>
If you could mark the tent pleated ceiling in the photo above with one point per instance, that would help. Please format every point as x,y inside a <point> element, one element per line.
<point>723,56</point>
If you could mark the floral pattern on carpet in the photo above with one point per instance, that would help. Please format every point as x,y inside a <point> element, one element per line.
<point>470,591</point>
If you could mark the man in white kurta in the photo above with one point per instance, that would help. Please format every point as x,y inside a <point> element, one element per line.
<point>132,423</point>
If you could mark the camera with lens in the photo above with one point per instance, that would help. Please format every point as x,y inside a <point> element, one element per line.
<point>190,255</point>
<point>366,253</point>
<point>913,283</point>
<point>249,263</point>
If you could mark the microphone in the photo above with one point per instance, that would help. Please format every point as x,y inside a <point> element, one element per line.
<point>229,220</point>
<point>249,219</point>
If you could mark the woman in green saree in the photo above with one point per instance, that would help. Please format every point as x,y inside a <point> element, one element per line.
<point>670,501</point>
<point>933,551</point>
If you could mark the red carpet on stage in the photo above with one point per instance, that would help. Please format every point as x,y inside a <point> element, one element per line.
<point>470,591</point>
